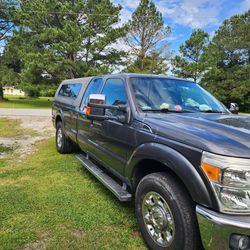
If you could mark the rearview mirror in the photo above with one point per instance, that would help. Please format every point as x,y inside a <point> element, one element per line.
<point>234,108</point>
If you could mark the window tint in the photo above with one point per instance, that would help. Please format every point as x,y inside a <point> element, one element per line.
<point>70,90</point>
<point>93,88</point>
<point>115,93</point>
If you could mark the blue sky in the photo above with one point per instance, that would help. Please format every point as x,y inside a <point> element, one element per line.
<point>185,15</point>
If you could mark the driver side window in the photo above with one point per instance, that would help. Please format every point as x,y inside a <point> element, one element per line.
<point>115,93</point>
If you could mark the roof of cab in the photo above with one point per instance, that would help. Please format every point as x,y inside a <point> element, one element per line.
<point>128,75</point>
<point>78,80</point>
<point>122,75</point>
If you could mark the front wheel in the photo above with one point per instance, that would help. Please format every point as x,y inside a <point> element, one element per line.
<point>166,214</point>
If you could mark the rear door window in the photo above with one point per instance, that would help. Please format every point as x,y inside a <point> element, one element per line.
<point>70,90</point>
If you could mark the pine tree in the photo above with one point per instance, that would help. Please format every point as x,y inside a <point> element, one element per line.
<point>146,35</point>
<point>6,27</point>
<point>190,63</point>
<point>228,56</point>
<point>66,39</point>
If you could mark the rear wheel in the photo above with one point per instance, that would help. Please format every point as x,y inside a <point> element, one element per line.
<point>63,144</point>
<point>166,214</point>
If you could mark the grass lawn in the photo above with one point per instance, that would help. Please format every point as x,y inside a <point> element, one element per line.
<point>49,201</point>
<point>16,130</point>
<point>5,149</point>
<point>26,102</point>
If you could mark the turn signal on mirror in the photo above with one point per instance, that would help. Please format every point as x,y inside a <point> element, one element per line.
<point>88,110</point>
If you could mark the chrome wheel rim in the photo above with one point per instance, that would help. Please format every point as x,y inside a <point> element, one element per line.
<point>158,219</point>
<point>59,138</point>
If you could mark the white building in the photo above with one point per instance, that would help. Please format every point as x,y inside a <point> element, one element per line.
<point>11,90</point>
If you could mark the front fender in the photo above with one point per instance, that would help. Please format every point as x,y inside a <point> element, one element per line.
<point>180,165</point>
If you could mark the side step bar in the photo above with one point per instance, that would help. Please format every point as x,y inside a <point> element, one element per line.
<point>111,184</point>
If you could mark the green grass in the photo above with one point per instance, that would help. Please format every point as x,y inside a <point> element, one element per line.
<point>11,128</point>
<point>26,102</point>
<point>5,149</point>
<point>50,201</point>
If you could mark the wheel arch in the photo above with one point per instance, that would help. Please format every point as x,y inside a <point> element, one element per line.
<point>166,159</point>
<point>59,117</point>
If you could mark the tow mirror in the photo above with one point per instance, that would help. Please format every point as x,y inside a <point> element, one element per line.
<point>234,108</point>
<point>96,110</point>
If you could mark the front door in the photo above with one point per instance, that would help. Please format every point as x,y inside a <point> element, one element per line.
<point>110,137</point>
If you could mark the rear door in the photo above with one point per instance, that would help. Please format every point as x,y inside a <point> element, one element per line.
<point>83,124</point>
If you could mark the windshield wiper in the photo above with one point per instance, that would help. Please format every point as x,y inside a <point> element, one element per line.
<point>156,110</point>
<point>183,111</point>
<point>212,111</point>
<point>163,110</point>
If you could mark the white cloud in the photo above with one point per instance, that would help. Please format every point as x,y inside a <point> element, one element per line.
<point>125,15</point>
<point>128,6</point>
<point>171,38</point>
<point>246,5</point>
<point>192,13</point>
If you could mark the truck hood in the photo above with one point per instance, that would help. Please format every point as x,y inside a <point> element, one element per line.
<point>224,134</point>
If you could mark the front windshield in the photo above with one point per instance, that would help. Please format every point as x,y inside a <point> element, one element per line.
<point>159,94</point>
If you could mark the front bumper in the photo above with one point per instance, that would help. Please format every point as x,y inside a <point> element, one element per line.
<point>217,228</point>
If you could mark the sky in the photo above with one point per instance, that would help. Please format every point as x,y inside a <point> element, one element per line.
<point>185,15</point>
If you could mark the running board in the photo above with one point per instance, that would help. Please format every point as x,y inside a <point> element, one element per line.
<point>110,183</point>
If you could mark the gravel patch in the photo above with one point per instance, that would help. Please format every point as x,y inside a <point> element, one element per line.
<point>24,146</point>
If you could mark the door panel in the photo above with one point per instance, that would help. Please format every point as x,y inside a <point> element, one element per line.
<point>110,137</point>
<point>83,124</point>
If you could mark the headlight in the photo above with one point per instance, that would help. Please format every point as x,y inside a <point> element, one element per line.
<point>230,179</point>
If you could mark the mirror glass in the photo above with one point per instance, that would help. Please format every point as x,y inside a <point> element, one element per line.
<point>97,99</point>
<point>234,108</point>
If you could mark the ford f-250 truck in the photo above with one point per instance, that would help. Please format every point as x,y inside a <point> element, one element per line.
<point>182,155</point>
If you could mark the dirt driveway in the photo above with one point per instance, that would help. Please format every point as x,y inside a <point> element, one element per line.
<point>38,124</point>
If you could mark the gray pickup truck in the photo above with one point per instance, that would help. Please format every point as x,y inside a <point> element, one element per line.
<point>169,144</point>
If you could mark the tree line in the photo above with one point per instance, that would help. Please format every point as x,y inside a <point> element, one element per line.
<point>44,42</point>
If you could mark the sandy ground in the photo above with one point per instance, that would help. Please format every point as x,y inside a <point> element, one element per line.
<point>24,146</point>
<point>25,112</point>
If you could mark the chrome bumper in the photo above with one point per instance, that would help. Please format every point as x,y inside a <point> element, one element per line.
<point>216,228</point>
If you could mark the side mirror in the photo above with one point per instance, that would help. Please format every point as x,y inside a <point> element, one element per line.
<point>234,108</point>
<point>96,110</point>
<point>96,99</point>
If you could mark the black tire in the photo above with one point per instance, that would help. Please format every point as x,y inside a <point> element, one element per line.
<point>184,232</point>
<point>63,145</point>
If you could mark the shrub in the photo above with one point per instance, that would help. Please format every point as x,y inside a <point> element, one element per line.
<point>48,91</point>
<point>31,90</point>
